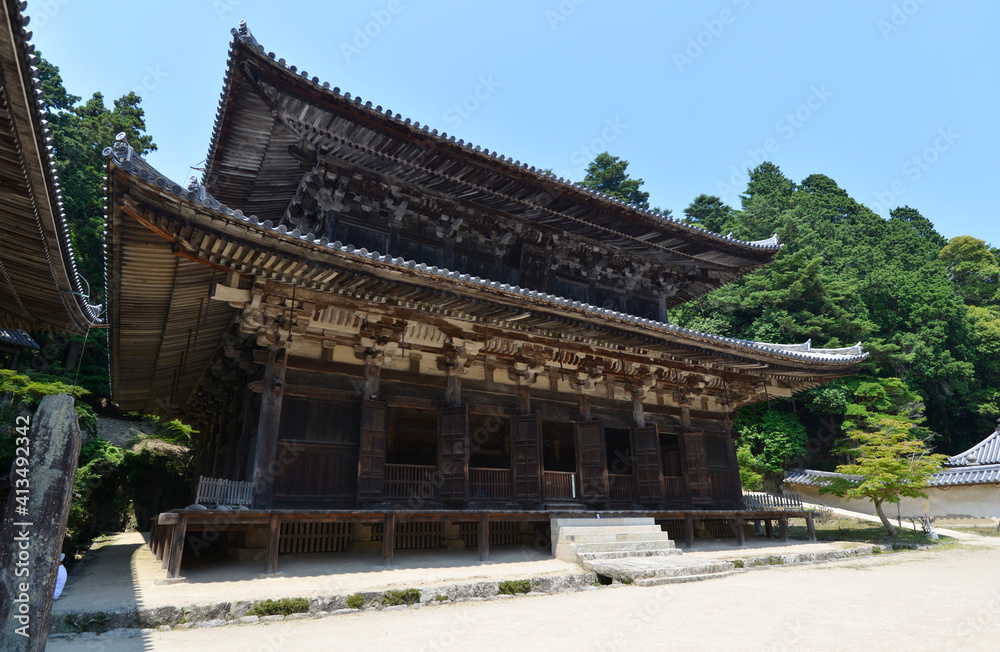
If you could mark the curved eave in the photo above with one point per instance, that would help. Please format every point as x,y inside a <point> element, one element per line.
<point>339,255</point>
<point>573,197</point>
<point>39,287</point>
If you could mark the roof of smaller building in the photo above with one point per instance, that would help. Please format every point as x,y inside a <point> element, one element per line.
<point>985,452</point>
<point>17,338</point>
<point>984,474</point>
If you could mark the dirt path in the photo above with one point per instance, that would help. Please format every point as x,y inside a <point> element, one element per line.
<point>925,600</point>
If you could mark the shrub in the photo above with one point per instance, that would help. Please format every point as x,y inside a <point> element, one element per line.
<point>284,607</point>
<point>737,563</point>
<point>355,601</point>
<point>514,587</point>
<point>406,596</point>
<point>441,598</point>
<point>775,561</point>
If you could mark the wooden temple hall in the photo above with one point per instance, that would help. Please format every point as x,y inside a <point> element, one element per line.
<point>369,321</point>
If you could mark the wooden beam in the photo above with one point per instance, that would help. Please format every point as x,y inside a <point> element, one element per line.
<point>273,540</point>
<point>484,538</point>
<point>267,428</point>
<point>388,539</point>
<point>768,528</point>
<point>688,531</point>
<point>738,524</point>
<point>811,527</point>
<point>783,527</point>
<point>177,547</point>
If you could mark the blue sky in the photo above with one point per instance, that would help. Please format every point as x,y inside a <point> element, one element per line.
<point>894,100</point>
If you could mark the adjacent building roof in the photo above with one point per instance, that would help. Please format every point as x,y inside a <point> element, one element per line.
<point>274,119</point>
<point>13,337</point>
<point>985,452</point>
<point>39,288</point>
<point>987,474</point>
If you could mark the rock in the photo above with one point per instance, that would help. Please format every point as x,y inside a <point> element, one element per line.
<point>163,628</point>
<point>297,616</point>
<point>215,622</point>
<point>272,619</point>
<point>249,620</point>
<point>120,632</point>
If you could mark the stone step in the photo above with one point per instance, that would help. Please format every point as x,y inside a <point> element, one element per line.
<point>623,529</point>
<point>571,552</point>
<point>601,522</point>
<point>635,568</point>
<point>611,537</point>
<point>621,554</point>
<point>680,579</point>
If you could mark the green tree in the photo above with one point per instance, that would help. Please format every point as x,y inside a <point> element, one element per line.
<point>768,439</point>
<point>79,134</point>
<point>890,459</point>
<point>708,212</point>
<point>973,269</point>
<point>607,174</point>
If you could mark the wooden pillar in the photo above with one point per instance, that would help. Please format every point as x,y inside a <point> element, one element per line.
<point>783,527</point>
<point>267,428</point>
<point>34,520</point>
<point>372,375</point>
<point>523,399</point>
<point>273,540</point>
<point>388,538</point>
<point>484,538</point>
<point>739,530</point>
<point>168,537</point>
<point>638,412</point>
<point>768,528</point>
<point>176,551</point>
<point>453,389</point>
<point>811,526</point>
<point>689,531</point>
<point>585,406</point>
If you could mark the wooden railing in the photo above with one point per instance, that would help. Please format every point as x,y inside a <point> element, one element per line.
<point>673,489</point>
<point>410,481</point>
<point>559,485</point>
<point>759,501</point>
<point>489,484</point>
<point>216,491</point>
<point>621,488</point>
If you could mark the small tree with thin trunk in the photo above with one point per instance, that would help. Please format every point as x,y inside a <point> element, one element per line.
<point>889,463</point>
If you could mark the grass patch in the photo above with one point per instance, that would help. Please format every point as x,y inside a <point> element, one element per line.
<point>737,563</point>
<point>395,598</point>
<point>845,528</point>
<point>283,607</point>
<point>982,531</point>
<point>441,598</point>
<point>355,601</point>
<point>514,587</point>
<point>774,560</point>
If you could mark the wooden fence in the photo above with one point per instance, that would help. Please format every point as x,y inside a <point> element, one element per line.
<point>216,491</point>
<point>410,481</point>
<point>621,488</point>
<point>489,484</point>
<point>559,485</point>
<point>758,501</point>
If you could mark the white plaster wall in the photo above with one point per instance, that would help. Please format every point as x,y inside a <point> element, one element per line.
<point>979,500</point>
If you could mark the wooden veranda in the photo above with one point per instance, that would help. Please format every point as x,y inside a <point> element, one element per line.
<point>170,529</point>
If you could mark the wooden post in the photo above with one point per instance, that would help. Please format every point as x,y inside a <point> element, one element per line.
<point>585,406</point>
<point>168,536</point>
<point>177,536</point>
<point>388,538</point>
<point>689,531</point>
<point>739,530</point>
<point>811,526</point>
<point>453,389</point>
<point>638,412</point>
<point>264,467</point>
<point>484,538</point>
<point>273,539</point>
<point>783,527</point>
<point>523,399</point>
<point>768,528</point>
<point>34,520</point>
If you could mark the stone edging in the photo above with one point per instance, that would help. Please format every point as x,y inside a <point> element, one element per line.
<point>122,623</point>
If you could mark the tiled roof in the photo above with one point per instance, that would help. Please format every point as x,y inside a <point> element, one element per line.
<point>17,338</point>
<point>987,474</point>
<point>39,285</point>
<point>244,35</point>
<point>123,156</point>
<point>985,452</point>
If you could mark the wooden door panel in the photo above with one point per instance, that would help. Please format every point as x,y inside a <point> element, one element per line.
<point>699,479</point>
<point>591,461</point>
<point>647,465</point>
<point>526,458</point>
<point>453,453</point>
<point>371,451</point>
